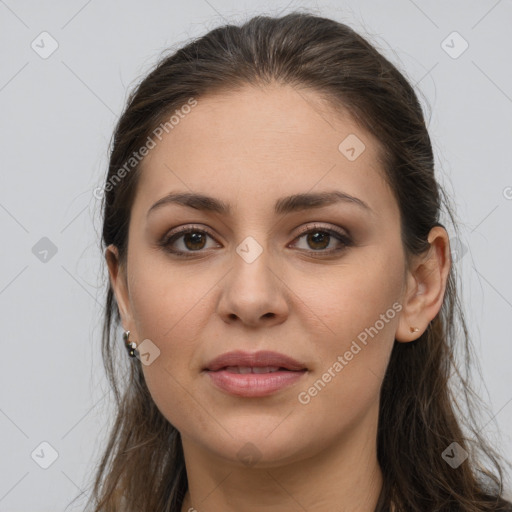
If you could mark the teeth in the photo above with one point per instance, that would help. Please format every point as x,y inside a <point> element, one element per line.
<point>249,369</point>
<point>265,369</point>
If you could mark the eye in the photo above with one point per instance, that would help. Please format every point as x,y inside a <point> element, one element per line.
<point>189,239</point>
<point>319,238</point>
<point>192,239</point>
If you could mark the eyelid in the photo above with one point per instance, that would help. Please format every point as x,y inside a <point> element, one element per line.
<point>181,230</point>
<point>187,227</point>
<point>320,227</point>
<point>304,229</point>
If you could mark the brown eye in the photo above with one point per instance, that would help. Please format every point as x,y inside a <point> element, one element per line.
<point>323,240</point>
<point>194,240</point>
<point>186,241</point>
<point>318,239</point>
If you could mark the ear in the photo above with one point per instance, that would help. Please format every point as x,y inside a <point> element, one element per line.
<point>425,287</point>
<point>119,283</point>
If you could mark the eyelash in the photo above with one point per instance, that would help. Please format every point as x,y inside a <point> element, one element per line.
<point>340,236</point>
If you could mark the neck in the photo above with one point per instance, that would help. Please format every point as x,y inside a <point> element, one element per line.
<point>345,476</point>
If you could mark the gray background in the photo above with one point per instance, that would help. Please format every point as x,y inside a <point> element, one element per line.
<point>57,118</point>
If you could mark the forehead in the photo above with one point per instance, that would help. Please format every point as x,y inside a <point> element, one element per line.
<point>261,141</point>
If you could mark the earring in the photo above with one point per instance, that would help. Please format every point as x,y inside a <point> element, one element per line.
<point>131,346</point>
<point>413,329</point>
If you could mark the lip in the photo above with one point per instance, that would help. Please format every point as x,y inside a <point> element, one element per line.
<point>254,359</point>
<point>222,374</point>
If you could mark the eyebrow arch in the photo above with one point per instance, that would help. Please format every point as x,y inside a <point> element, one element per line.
<point>284,205</point>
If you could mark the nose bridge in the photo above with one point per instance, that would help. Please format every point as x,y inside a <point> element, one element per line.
<point>252,289</point>
<point>251,266</point>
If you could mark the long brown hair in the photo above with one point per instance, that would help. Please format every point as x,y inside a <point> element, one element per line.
<point>421,414</point>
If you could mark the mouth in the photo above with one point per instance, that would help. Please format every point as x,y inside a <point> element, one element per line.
<point>254,369</point>
<point>254,362</point>
<point>256,374</point>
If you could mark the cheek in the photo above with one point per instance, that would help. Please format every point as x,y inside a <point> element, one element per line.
<point>351,297</point>
<point>350,367</point>
<point>169,303</point>
<point>171,308</point>
<point>171,312</point>
<point>357,309</point>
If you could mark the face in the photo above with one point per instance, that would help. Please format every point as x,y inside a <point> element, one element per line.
<point>318,281</point>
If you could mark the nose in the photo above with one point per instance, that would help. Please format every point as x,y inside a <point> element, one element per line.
<point>253,294</point>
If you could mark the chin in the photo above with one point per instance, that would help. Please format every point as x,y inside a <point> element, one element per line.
<point>261,445</point>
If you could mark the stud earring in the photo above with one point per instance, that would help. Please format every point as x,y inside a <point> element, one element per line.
<point>413,329</point>
<point>131,346</point>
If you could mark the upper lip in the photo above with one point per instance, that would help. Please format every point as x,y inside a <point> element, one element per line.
<point>254,359</point>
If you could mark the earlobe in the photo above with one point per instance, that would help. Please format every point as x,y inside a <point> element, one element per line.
<point>426,285</point>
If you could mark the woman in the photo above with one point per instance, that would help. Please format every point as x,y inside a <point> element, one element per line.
<point>284,283</point>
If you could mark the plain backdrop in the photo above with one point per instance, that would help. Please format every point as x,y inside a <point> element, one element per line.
<point>58,112</point>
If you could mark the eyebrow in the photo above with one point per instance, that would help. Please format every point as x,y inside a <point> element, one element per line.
<point>282,206</point>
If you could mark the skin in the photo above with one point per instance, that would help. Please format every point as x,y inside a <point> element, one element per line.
<point>250,148</point>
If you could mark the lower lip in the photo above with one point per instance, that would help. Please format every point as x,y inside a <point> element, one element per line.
<point>254,384</point>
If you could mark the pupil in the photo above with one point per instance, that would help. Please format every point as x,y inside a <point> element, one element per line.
<point>194,238</point>
<point>318,237</point>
